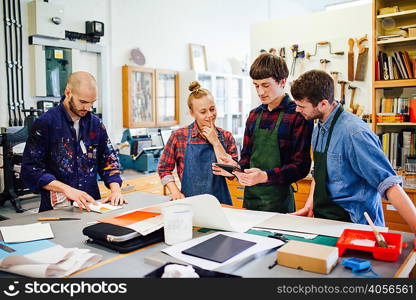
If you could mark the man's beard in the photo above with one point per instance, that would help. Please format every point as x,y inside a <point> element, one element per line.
<point>72,107</point>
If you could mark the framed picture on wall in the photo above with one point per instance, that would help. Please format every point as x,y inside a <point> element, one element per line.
<point>167,97</point>
<point>198,57</point>
<point>139,107</point>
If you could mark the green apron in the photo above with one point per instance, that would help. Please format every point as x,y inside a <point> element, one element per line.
<point>323,207</point>
<point>266,156</point>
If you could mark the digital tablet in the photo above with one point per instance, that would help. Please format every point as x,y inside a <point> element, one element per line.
<point>229,168</point>
<point>219,248</point>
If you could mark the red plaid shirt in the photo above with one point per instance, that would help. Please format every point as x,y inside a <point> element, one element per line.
<point>174,151</point>
<point>294,138</point>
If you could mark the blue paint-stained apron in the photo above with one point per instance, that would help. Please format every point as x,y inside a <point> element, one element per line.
<point>197,177</point>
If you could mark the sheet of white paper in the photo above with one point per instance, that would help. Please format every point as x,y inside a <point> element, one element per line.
<point>302,235</point>
<point>312,225</point>
<point>262,244</point>
<point>147,226</point>
<point>101,207</point>
<point>26,233</point>
<point>208,212</point>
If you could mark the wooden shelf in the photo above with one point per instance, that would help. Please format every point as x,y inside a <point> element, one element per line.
<point>398,41</point>
<point>380,84</point>
<point>398,14</point>
<point>397,124</point>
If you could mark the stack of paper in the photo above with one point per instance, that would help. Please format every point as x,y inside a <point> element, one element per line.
<point>43,259</point>
<point>140,221</point>
<point>262,244</point>
<point>25,233</point>
<point>208,212</point>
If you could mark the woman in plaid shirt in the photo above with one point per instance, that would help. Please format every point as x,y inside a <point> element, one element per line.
<point>194,148</point>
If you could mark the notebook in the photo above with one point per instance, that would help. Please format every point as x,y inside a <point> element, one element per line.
<point>219,248</point>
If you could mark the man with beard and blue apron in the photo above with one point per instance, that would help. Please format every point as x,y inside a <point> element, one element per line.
<point>351,172</point>
<point>194,148</point>
<point>276,148</point>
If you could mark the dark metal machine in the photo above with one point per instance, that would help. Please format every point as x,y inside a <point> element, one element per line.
<point>10,137</point>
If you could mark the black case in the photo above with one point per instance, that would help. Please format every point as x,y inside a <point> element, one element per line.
<point>98,233</point>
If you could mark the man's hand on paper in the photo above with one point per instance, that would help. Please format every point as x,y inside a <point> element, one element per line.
<point>223,160</point>
<point>251,177</point>
<point>115,198</point>
<point>80,197</point>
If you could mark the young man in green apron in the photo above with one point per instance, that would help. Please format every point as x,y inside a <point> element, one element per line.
<point>276,148</point>
<point>351,172</point>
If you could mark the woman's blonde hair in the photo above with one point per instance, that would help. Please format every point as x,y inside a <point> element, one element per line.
<point>196,92</point>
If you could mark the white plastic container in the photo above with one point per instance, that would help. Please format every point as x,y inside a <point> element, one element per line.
<point>177,222</point>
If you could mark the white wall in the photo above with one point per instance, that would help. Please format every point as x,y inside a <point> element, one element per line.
<point>162,29</point>
<point>335,26</point>
<point>76,13</point>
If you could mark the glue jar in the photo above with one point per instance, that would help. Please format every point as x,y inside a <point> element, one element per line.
<point>177,223</point>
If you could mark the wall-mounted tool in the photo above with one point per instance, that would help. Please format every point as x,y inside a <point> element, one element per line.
<point>353,107</point>
<point>308,55</point>
<point>342,99</point>
<point>335,75</point>
<point>282,52</point>
<point>294,49</point>
<point>362,59</point>
<point>324,62</point>
<point>295,54</point>
<point>351,59</point>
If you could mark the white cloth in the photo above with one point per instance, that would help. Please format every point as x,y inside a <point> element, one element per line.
<point>55,261</point>
<point>179,271</point>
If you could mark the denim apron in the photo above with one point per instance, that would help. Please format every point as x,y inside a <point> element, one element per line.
<point>265,156</point>
<point>197,177</point>
<point>323,206</point>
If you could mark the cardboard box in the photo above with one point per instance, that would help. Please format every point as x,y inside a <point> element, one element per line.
<point>307,256</point>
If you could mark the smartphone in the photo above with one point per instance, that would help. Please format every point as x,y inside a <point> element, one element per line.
<point>229,168</point>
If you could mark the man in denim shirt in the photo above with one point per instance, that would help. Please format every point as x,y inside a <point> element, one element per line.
<point>351,171</point>
<point>66,148</point>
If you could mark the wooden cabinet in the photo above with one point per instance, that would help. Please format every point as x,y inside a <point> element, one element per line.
<point>236,191</point>
<point>150,97</point>
<point>394,81</point>
<point>302,188</point>
<point>385,86</point>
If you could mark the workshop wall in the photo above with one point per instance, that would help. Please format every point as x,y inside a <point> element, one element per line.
<point>162,30</point>
<point>76,13</point>
<point>335,26</point>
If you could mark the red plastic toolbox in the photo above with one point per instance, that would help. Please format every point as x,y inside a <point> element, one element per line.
<point>394,240</point>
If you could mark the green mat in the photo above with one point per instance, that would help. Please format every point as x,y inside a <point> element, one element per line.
<point>320,239</point>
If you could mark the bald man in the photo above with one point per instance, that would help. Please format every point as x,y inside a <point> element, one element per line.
<point>66,148</point>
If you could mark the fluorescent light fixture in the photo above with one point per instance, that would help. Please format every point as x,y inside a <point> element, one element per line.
<point>347,4</point>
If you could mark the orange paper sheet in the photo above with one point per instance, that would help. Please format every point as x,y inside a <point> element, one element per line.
<point>130,218</point>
